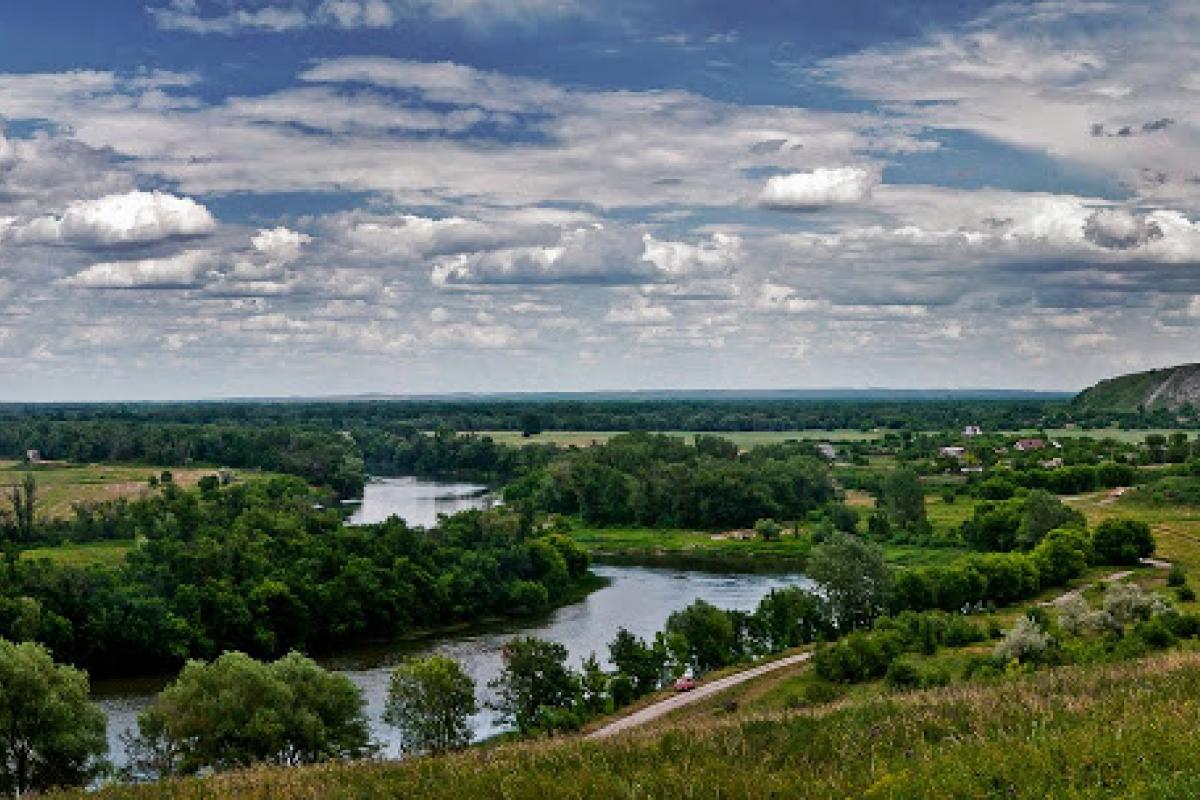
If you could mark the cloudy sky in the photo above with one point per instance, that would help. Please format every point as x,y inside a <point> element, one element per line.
<point>205,198</point>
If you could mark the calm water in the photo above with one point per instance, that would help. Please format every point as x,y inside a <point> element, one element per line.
<point>638,598</point>
<point>417,501</point>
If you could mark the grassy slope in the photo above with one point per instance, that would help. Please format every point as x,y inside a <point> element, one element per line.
<point>105,554</point>
<point>1125,392</point>
<point>1125,730</point>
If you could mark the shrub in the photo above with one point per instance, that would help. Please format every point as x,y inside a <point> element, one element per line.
<point>1177,576</point>
<point>1185,594</point>
<point>1155,633</point>
<point>1122,541</point>
<point>903,674</point>
<point>1025,643</point>
<point>1128,603</point>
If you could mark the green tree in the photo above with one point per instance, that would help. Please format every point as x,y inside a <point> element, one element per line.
<point>854,577</point>
<point>51,734</point>
<point>23,499</point>
<point>642,663</point>
<point>430,700</point>
<point>1122,541</point>
<point>707,633</point>
<point>1043,513</point>
<point>237,711</point>
<point>534,684</point>
<point>903,498</point>
<point>768,529</point>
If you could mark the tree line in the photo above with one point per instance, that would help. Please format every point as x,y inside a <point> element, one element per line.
<point>657,480</point>
<point>266,567</point>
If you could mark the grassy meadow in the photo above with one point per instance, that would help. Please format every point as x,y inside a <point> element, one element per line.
<point>61,485</point>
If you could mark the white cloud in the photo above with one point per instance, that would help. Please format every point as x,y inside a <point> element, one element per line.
<point>185,270</point>
<point>825,186</point>
<point>120,219</point>
<point>680,259</point>
<point>638,311</point>
<point>195,16</point>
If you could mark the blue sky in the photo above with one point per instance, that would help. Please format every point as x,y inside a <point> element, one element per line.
<point>203,198</point>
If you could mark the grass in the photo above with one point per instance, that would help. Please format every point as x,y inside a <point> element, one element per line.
<point>105,554</point>
<point>62,485</point>
<point>701,548</point>
<point>1125,730</point>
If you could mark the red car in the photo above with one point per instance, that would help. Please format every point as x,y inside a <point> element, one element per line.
<point>685,684</point>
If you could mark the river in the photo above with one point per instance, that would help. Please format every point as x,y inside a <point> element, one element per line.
<point>637,598</point>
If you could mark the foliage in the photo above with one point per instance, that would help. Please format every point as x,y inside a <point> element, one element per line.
<point>429,700</point>
<point>903,498</point>
<point>1025,642</point>
<point>1122,541</point>
<point>657,480</point>
<point>534,685</point>
<point>236,711</point>
<point>51,734</point>
<point>257,568</point>
<point>854,579</point>
<point>707,636</point>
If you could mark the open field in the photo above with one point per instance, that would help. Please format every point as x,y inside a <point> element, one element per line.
<point>1124,730</point>
<point>671,543</point>
<point>104,554</point>
<point>62,485</point>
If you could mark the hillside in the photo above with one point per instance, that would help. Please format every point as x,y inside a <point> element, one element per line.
<point>1159,388</point>
<point>1123,730</point>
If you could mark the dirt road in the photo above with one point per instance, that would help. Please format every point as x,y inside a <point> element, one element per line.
<point>702,691</point>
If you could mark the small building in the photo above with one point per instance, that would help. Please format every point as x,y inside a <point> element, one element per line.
<point>1026,445</point>
<point>972,430</point>
<point>33,456</point>
<point>827,451</point>
<point>952,452</point>
<point>1052,463</point>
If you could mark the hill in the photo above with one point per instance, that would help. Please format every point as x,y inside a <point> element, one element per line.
<point>1168,388</point>
<point>1123,730</point>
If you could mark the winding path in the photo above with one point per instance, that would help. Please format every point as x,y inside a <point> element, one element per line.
<point>662,707</point>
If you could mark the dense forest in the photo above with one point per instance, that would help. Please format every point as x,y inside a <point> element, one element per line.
<point>264,568</point>
<point>657,480</point>
<point>706,411</point>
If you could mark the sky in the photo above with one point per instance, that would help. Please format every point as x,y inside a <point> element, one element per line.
<point>215,198</point>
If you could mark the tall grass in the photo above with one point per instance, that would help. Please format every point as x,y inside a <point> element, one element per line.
<point>1124,730</point>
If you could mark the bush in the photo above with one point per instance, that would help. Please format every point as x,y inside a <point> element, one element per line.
<point>903,674</point>
<point>859,657</point>
<point>1025,643</point>
<point>1177,576</point>
<point>1128,603</point>
<point>1155,633</point>
<point>1185,594</point>
<point>1122,541</point>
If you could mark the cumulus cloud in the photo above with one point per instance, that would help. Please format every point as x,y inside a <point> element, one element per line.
<point>594,255</point>
<point>120,219</point>
<point>1118,229</point>
<point>822,187</point>
<point>182,271</point>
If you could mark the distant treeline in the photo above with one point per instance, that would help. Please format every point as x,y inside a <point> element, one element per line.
<point>715,412</point>
<point>320,456</point>
<point>263,568</point>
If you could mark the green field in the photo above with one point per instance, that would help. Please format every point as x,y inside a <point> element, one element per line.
<point>61,485</point>
<point>680,546</point>
<point>107,554</point>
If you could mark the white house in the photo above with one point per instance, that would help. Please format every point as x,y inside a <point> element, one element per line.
<point>972,430</point>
